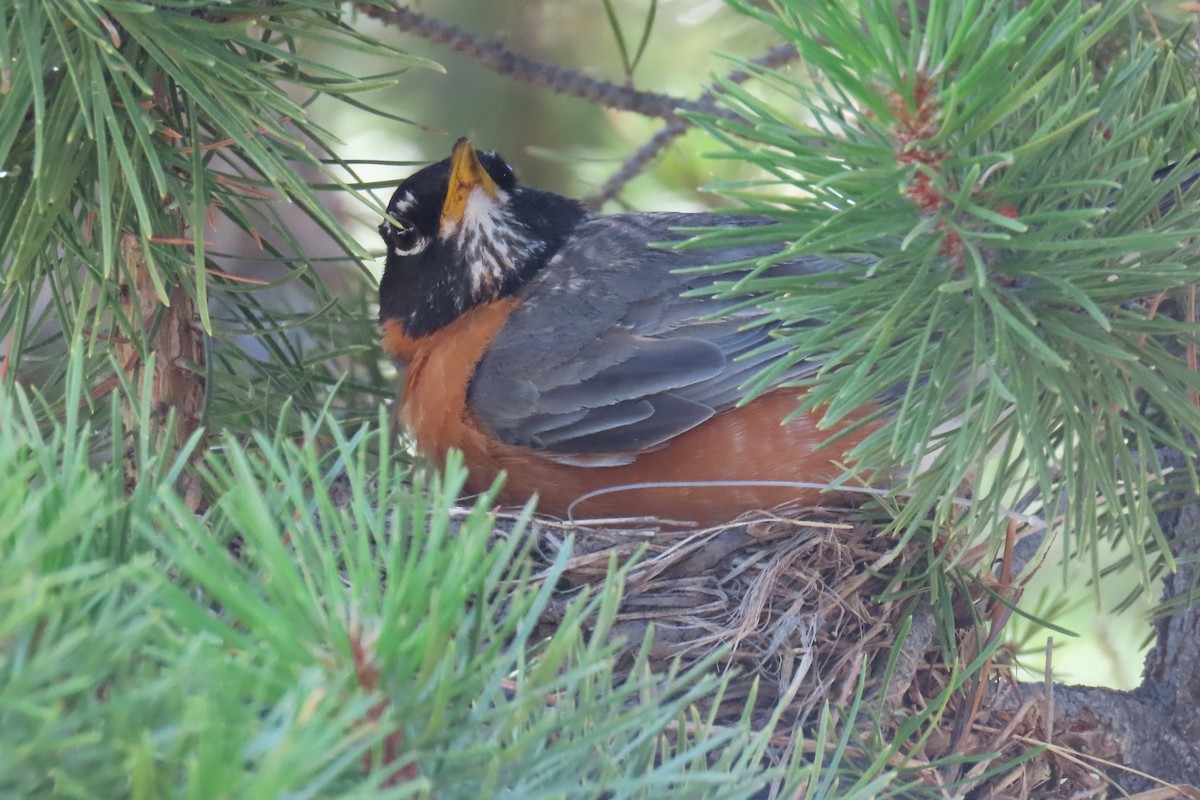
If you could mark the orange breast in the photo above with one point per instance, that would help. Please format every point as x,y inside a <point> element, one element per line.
<point>745,444</point>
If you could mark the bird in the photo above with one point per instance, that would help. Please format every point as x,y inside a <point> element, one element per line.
<point>567,352</point>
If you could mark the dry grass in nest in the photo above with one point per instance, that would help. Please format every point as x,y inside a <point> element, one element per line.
<point>795,602</point>
<point>793,599</point>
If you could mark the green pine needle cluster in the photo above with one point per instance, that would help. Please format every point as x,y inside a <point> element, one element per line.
<point>992,175</point>
<point>150,120</point>
<point>143,657</point>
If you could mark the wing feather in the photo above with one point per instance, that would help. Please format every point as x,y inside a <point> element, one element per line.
<point>603,359</point>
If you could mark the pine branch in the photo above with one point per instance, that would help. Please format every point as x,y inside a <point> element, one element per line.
<point>174,337</point>
<point>498,58</point>
<point>120,186</point>
<point>996,321</point>
<point>359,636</point>
<point>677,126</point>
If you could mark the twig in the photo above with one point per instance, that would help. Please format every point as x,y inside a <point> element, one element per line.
<point>498,58</point>
<point>177,346</point>
<point>999,616</point>
<point>775,57</point>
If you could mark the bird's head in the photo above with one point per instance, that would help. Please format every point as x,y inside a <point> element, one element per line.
<point>462,232</point>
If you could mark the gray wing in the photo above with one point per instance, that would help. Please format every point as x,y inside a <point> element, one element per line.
<point>604,358</point>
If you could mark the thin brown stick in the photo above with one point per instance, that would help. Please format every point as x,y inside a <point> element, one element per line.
<point>177,345</point>
<point>495,56</point>
<point>999,616</point>
<point>634,165</point>
<point>498,58</point>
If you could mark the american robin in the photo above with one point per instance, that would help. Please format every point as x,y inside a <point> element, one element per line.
<point>556,347</point>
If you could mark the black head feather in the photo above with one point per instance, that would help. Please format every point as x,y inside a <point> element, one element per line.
<point>437,269</point>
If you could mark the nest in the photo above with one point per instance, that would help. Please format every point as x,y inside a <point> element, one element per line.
<point>791,600</point>
<point>805,605</point>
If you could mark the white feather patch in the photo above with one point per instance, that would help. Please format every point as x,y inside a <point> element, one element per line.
<point>417,246</point>
<point>402,205</point>
<point>489,238</point>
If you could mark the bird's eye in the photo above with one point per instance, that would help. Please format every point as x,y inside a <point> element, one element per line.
<point>404,232</point>
<point>403,238</point>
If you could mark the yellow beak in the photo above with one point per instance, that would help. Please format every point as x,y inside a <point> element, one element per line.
<point>466,175</point>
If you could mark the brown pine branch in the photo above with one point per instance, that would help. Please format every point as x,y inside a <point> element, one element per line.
<point>170,333</point>
<point>634,165</point>
<point>498,58</point>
